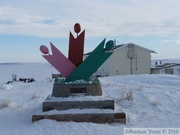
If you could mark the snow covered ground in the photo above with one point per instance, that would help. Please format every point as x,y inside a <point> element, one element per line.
<point>148,100</point>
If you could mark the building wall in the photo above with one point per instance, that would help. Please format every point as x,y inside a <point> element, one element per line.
<point>142,61</point>
<point>120,64</point>
<point>104,69</point>
<point>175,70</point>
<point>155,71</point>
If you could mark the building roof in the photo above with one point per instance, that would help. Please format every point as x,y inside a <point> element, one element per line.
<point>116,47</point>
<point>166,65</point>
<point>126,45</point>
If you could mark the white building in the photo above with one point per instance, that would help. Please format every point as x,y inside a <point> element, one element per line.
<point>126,59</point>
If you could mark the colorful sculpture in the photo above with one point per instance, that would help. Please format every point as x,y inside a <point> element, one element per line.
<point>58,60</point>
<point>73,67</point>
<point>91,63</point>
<point>79,83</point>
<point>76,46</point>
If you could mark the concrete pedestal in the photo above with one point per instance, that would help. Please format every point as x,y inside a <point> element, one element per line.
<point>79,101</point>
<point>65,89</point>
<point>84,117</point>
<point>84,102</point>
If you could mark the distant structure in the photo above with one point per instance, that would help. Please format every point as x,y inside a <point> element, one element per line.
<point>127,59</point>
<point>165,67</point>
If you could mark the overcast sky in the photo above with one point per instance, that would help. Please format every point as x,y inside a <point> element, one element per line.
<point>25,25</point>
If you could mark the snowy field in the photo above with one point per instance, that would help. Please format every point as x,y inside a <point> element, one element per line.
<point>149,101</point>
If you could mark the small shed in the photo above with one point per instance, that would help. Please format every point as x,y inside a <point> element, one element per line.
<point>126,59</point>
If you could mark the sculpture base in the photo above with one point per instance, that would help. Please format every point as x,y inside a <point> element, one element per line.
<point>80,102</point>
<point>96,109</point>
<point>66,89</point>
<point>86,115</point>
